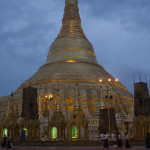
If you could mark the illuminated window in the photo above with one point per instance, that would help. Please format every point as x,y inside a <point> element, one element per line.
<point>74,132</point>
<point>26,131</point>
<point>5,131</point>
<point>54,133</point>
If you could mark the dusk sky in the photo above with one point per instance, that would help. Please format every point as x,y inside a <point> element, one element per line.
<point>119,30</point>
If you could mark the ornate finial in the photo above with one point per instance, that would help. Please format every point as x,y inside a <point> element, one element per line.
<point>77,97</point>
<point>12,94</point>
<point>102,103</point>
<point>17,112</point>
<point>71,11</point>
<point>10,106</point>
<point>71,20</point>
<point>46,109</point>
<point>57,104</point>
<point>71,2</point>
<point>46,89</point>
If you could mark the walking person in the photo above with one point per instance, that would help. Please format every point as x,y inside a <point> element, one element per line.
<point>43,140</point>
<point>106,141</point>
<point>119,140</point>
<point>4,143</point>
<point>127,141</point>
<point>148,141</point>
<point>9,142</point>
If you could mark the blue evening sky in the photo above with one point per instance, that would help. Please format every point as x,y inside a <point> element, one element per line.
<point>118,29</point>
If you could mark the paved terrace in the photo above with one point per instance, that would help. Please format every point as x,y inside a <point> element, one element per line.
<point>72,145</point>
<point>70,148</point>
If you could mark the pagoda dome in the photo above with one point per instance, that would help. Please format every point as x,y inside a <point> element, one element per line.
<point>71,59</point>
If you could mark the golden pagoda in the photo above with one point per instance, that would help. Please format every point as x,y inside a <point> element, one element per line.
<point>71,59</point>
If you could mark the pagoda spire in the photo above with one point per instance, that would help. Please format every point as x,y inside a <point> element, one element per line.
<point>46,106</point>
<point>77,97</point>
<point>71,10</point>
<point>102,103</point>
<point>75,2</point>
<point>71,22</point>
<point>10,106</point>
<point>58,105</point>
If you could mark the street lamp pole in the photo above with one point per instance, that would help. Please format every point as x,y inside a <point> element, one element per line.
<point>108,96</point>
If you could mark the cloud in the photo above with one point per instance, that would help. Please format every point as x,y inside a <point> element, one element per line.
<point>118,29</point>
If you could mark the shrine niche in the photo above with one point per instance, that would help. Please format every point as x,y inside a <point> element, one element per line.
<point>9,125</point>
<point>56,125</point>
<point>29,130</point>
<point>141,127</point>
<point>77,126</point>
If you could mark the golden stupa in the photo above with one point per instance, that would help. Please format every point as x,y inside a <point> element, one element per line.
<point>71,59</point>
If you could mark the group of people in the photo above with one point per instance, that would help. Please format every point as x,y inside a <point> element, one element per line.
<point>6,143</point>
<point>119,141</point>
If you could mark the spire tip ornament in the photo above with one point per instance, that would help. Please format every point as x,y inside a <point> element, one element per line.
<point>74,2</point>
<point>71,22</point>
<point>77,97</point>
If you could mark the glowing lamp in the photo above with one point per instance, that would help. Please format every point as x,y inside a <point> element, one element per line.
<point>100,80</point>
<point>109,80</point>
<point>116,80</point>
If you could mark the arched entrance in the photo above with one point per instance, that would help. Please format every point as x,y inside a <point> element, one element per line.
<point>53,133</point>
<point>26,131</point>
<point>5,132</point>
<point>24,134</point>
<point>74,132</point>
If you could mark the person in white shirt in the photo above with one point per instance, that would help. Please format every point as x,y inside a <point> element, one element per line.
<point>127,141</point>
<point>119,140</point>
<point>43,140</point>
<point>106,141</point>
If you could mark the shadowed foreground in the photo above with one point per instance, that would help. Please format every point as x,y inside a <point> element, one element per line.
<point>71,148</point>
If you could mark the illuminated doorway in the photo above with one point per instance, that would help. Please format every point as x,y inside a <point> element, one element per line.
<point>24,134</point>
<point>5,131</point>
<point>26,131</point>
<point>74,132</point>
<point>54,133</point>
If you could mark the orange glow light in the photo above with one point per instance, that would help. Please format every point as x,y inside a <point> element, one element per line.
<point>109,80</point>
<point>100,80</point>
<point>116,80</point>
<point>71,61</point>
